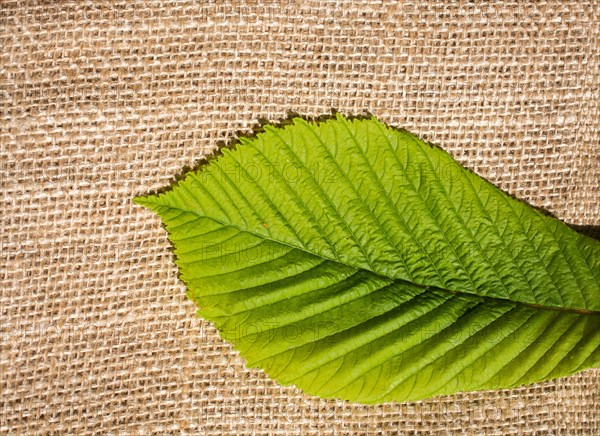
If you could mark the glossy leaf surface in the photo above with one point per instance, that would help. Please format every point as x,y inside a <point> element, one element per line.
<point>356,261</point>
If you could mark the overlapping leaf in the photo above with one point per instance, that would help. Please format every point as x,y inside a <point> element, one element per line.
<point>356,261</point>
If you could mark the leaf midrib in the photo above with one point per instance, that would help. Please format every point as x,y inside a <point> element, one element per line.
<point>148,201</point>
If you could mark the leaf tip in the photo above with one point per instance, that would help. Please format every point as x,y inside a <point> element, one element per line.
<point>144,200</point>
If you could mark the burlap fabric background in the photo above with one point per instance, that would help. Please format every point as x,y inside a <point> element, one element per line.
<point>105,100</point>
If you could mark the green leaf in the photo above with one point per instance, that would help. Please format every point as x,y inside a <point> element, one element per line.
<point>356,261</point>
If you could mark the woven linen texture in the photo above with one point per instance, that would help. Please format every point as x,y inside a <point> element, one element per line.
<point>101,101</point>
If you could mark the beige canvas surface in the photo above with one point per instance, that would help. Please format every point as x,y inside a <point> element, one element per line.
<point>103,100</point>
